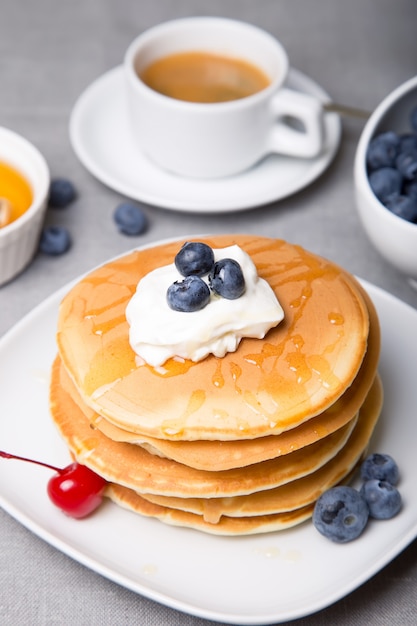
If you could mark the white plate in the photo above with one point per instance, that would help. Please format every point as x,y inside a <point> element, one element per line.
<point>101,139</point>
<point>254,580</point>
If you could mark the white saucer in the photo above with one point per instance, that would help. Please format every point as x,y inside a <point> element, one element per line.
<point>101,139</point>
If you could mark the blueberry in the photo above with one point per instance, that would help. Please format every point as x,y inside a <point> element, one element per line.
<point>403,206</point>
<point>194,259</point>
<point>382,150</point>
<point>54,240</point>
<point>413,119</point>
<point>408,141</point>
<point>341,514</point>
<point>385,182</point>
<point>226,279</point>
<point>130,219</point>
<point>406,163</point>
<point>410,188</point>
<point>61,193</point>
<point>383,499</point>
<point>381,467</point>
<point>190,294</point>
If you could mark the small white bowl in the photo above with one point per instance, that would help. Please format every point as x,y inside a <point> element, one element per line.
<point>19,240</point>
<point>393,237</point>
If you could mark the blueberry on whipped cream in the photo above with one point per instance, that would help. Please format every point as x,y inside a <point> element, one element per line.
<point>203,303</point>
<point>194,259</point>
<point>190,294</point>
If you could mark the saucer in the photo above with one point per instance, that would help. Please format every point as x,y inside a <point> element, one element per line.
<point>101,139</point>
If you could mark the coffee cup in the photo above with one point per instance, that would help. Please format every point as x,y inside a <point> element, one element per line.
<point>217,135</point>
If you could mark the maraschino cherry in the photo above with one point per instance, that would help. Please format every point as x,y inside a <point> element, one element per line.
<point>75,489</point>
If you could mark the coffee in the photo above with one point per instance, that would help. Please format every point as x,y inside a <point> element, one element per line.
<point>15,194</point>
<point>204,77</point>
<point>200,60</point>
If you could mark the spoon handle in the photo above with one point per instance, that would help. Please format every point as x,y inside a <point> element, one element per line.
<point>334,107</point>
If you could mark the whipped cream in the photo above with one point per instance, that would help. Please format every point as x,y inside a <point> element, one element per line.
<point>158,333</point>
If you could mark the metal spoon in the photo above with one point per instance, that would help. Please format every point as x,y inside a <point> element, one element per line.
<point>348,111</point>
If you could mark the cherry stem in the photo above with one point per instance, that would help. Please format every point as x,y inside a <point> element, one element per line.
<point>6,455</point>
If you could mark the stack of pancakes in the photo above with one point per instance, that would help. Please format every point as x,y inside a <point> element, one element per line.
<point>235,445</point>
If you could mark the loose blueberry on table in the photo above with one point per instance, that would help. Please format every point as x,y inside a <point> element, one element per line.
<point>61,193</point>
<point>75,489</point>
<point>55,240</point>
<point>130,219</point>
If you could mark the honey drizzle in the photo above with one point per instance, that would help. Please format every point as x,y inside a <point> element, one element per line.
<point>218,378</point>
<point>16,191</point>
<point>304,271</point>
<point>173,428</point>
<point>236,372</point>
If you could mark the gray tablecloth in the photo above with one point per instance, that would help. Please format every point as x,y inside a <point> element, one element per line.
<point>50,51</point>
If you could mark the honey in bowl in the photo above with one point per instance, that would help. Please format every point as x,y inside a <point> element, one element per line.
<point>204,77</point>
<point>16,194</point>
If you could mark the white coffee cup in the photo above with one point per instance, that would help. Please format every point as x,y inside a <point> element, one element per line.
<point>208,140</point>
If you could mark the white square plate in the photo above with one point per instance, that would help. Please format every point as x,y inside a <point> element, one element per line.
<point>261,579</point>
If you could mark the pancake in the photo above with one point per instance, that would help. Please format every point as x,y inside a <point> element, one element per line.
<point>265,511</point>
<point>222,455</point>
<point>236,445</point>
<point>301,368</point>
<point>227,526</point>
<point>232,526</point>
<point>134,467</point>
<point>295,494</point>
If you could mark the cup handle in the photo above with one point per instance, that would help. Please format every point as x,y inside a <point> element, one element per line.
<point>286,139</point>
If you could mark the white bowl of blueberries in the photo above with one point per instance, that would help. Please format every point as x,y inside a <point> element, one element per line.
<point>385,174</point>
